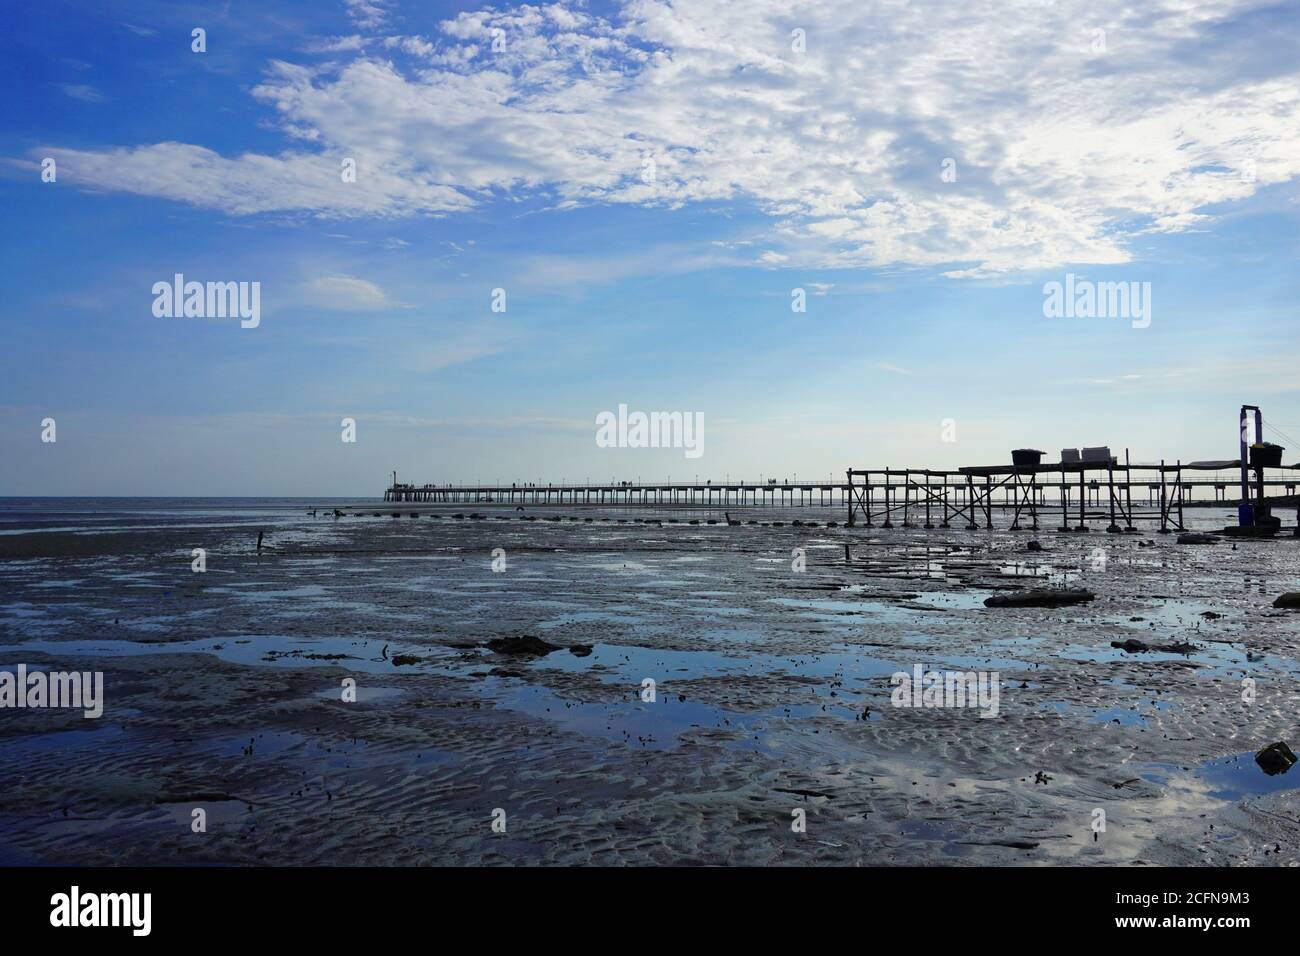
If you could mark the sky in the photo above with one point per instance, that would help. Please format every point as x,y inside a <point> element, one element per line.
<point>641,189</point>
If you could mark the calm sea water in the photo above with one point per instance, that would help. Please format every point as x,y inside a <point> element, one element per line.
<point>20,515</point>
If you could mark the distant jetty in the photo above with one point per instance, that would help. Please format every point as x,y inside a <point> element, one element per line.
<point>1085,485</point>
<point>1077,493</point>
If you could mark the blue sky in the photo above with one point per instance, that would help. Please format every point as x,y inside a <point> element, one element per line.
<point>1164,150</point>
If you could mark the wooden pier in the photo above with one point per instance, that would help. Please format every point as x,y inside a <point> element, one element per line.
<point>1071,491</point>
<point>694,494</point>
<point>1067,496</point>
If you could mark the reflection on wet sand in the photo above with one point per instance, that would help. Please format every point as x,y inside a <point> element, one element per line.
<point>771,690</point>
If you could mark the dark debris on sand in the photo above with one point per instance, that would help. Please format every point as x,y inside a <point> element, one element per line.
<point>1041,597</point>
<point>523,645</point>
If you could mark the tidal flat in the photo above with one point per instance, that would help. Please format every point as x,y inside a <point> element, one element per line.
<point>500,668</point>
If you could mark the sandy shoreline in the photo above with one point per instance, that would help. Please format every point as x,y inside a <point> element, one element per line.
<point>773,695</point>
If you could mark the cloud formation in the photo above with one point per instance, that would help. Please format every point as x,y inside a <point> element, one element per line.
<point>901,133</point>
<point>368,14</point>
<point>347,294</point>
<point>79,91</point>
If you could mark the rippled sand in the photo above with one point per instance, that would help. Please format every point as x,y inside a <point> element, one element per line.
<point>772,695</point>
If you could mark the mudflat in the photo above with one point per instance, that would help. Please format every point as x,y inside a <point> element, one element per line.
<point>519,696</point>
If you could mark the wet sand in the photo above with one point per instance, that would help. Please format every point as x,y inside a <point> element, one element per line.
<point>772,694</point>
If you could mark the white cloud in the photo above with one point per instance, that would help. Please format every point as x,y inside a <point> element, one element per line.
<point>347,294</point>
<point>416,46</point>
<point>368,14</point>
<point>79,91</point>
<point>347,44</point>
<point>252,183</point>
<point>1062,155</point>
